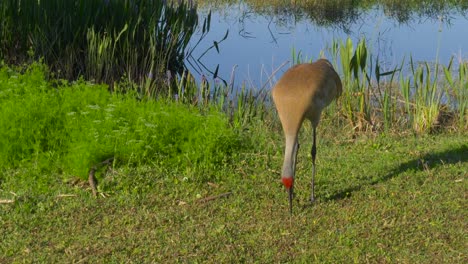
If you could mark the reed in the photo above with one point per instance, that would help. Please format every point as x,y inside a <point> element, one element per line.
<point>416,99</point>
<point>241,105</point>
<point>426,98</point>
<point>405,92</point>
<point>356,83</point>
<point>387,104</point>
<point>457,91</point>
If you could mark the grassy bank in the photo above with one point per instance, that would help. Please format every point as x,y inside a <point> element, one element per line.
<point>406,206</point>
<point>191,184</point>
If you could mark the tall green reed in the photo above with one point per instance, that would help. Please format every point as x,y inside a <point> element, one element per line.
<point>371,98</point>
<point>356,83</point>
<point>427,96</point>
<point>386,99</point>
<point>458,91</point>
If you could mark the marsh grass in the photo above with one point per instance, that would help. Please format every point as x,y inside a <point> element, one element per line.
<point>457,90</point>
<point>355,81</point>
<point>418,99</point>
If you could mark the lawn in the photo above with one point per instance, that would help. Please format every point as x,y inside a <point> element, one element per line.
<point>384,200</point>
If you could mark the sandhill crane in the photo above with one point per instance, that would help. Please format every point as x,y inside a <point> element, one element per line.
<point>303,92</point>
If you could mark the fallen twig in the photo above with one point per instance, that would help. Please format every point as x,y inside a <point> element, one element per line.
<point>211,198</point>
<point>214,185</point>
<point>66,195</point>
<point>6,201</point>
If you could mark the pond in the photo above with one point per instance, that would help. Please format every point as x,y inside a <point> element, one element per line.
<point>262,36</point>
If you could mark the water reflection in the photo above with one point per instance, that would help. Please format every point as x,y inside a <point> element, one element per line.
<point>343,13</point>
<point>263,33</point>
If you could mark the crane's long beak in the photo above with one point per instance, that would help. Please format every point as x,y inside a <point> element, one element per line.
<point>288,182</point>
<point>291,194</point>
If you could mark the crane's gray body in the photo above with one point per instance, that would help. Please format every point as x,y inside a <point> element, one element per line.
<point>302,93</point>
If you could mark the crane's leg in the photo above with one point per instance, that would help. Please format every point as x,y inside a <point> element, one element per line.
<point>314,153</point>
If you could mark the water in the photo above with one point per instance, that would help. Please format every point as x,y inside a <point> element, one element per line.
<point>259,45</point>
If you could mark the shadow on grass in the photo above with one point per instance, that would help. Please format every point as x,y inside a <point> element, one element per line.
<point>425,162</point>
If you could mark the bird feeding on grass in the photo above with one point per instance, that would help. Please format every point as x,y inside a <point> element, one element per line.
<point>302,93</point>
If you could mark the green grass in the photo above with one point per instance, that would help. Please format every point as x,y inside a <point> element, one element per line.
<point>70,128</point>
<point>381,198</point>
<point>397,199</point>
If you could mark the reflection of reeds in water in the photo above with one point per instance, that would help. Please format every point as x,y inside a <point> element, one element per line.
<point>105,41</point>
<point>342,13</point>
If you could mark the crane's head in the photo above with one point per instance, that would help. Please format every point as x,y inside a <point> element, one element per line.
<point>288,182</point>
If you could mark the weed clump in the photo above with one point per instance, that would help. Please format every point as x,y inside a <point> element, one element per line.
<point>70,128</point>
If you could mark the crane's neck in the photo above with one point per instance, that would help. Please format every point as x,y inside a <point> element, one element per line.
<point>289,164</point>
